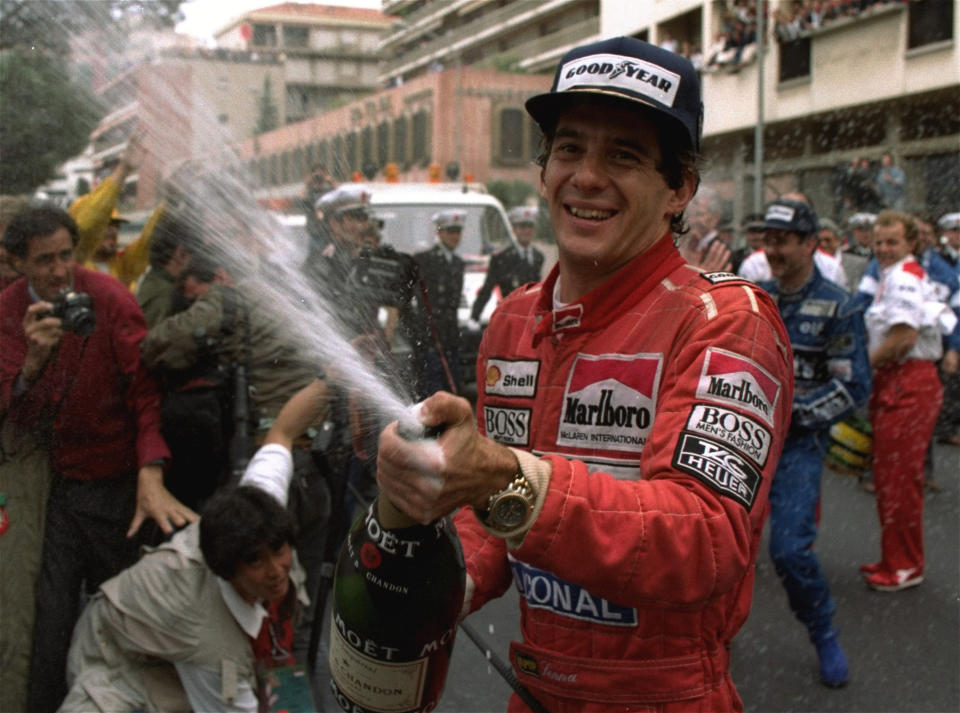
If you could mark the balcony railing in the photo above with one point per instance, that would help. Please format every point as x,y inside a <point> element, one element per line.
<point>498,21</point>
<point>533,52</point>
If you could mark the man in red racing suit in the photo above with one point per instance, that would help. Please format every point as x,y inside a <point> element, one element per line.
<point>670,395</point>
<point>631,412</point>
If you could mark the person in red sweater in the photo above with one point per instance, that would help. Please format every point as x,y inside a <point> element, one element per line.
<point>88,396</point>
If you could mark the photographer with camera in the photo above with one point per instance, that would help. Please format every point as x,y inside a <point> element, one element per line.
<point>228,372</point>
<point>70,372</point>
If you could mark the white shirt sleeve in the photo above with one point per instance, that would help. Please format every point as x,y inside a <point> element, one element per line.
<point>830,267</point>
<point>203,689</point>
<point>270,469</point>
<point>755,267</point>
<point>903,297</point>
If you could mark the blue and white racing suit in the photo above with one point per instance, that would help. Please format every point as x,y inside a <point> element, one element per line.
<point>831,378</point>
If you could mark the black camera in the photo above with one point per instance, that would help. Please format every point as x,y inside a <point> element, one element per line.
<point>75,310</point>
<point>384,275</point>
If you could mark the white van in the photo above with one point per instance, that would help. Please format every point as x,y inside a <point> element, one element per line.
<point>406,210</point>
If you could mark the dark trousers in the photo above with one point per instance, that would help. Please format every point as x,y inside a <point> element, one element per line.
<point>309,501</point>
<point>84,543</point>
<point>794,495</point>
<point>433,375</point>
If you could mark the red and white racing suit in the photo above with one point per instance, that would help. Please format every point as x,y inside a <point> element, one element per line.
<point>661,400</point>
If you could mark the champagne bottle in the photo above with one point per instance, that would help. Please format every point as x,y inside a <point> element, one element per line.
<point>398,590</point>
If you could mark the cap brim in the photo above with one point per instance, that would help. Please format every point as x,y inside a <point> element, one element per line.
<point>545,108</point>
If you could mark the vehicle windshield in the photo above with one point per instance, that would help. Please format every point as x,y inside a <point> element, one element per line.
<point>409,228</point>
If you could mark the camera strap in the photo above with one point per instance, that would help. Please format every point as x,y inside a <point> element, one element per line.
<point>433,330</point>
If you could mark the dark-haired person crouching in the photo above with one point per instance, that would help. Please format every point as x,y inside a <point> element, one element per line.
<point>198,621</point>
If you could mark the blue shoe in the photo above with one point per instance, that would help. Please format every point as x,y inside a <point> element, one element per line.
<point>834,670</point>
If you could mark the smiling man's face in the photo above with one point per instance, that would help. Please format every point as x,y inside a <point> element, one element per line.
<point>608,202</point>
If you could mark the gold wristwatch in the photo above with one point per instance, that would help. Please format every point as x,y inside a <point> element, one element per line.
<point>511,507</point>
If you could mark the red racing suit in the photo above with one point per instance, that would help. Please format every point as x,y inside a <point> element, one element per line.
<point>661,400</point>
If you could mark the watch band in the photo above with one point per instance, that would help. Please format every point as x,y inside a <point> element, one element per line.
<point>510,507</point>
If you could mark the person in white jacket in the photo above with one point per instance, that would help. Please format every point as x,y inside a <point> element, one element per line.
<point>196,621</point>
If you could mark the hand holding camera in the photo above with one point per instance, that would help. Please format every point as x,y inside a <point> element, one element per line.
<point>45,322</point>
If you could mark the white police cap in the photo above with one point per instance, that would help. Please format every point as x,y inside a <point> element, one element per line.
<point>344,198</point>
<point>862,220</point>
<point>522,214</point>
<point>450,218</point>
<point>949,221</point>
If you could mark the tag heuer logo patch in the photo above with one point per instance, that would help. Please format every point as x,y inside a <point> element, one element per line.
<point>715,464</point>
<point>609,401</point>
<point>732,379</point>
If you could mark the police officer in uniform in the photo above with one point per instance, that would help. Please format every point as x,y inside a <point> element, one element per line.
<point>514,265</point>
<point>442,272</point>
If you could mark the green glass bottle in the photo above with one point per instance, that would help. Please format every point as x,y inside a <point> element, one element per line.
<point>398,590</point>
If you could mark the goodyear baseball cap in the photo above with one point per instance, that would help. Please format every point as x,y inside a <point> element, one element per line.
<point>522,215</point>
<point>630,70</point>
<point>452,218</point>
<point>793,216</point>
<point>344,199</point>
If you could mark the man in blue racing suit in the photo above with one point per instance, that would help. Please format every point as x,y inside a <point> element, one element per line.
<point>831,378</point>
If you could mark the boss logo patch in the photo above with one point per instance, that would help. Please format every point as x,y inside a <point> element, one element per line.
<point>511,378</point>
<point>733,379</point>
<point>510,426</point>
<point>739,431</point>
<point>715,464</point>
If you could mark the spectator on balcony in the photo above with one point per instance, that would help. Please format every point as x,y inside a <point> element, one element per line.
<point>668,42</point>
<point>891,183</point>
<point>860,187</point>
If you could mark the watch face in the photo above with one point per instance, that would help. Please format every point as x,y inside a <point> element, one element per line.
<point>510,510</point>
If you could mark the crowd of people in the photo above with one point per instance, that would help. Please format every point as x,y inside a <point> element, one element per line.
<point>138,380</point>
<point>735,40</point>
<point>642,403</point>
<point>799,16</point>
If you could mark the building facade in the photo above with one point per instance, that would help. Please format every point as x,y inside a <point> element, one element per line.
<point>330,53</point>
<point>463,123</point>
<point>516,35</point>
<point>182,102</point>
<point>882,77</point>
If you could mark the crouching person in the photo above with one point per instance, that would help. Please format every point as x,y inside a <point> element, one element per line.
<point>197,622</point>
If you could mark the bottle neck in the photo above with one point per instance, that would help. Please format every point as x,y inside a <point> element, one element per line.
<point>391,517</point>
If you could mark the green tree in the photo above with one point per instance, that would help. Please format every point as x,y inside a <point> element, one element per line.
<point>48,24</point>
<point>44,119</point>
<point>511,193</point>
<point>46,116</point>
<point>268,118</point>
